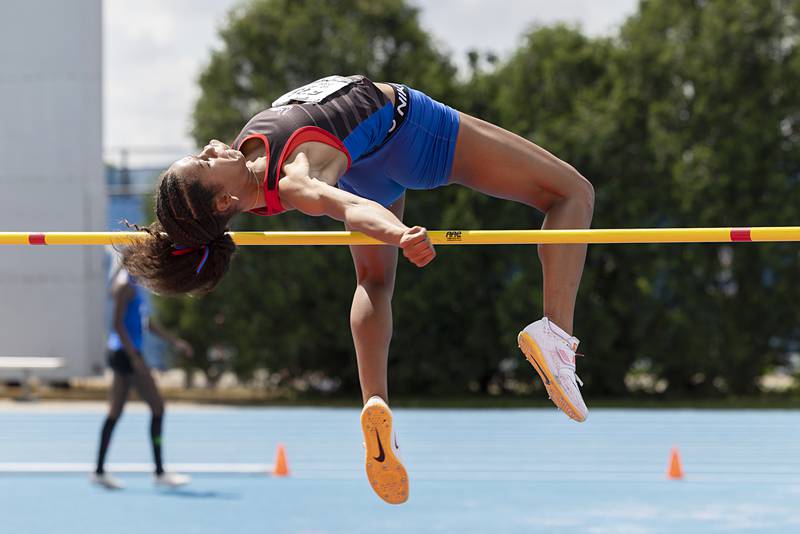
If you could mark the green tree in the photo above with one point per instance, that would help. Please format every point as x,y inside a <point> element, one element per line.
<point>286,309</point>
<point>271,46</point>
<point>710,88</point>
<point>690,117</point>
<point>554,90</point>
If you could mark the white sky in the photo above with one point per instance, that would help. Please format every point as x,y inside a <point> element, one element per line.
<point>155,49</point>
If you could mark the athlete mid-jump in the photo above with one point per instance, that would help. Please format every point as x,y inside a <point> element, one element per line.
<point>348,148</point>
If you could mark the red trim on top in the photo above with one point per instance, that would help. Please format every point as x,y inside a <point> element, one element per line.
<point>275,206</point>
<point>308,134</point>
<point>36,239</point>
<point>302,135</point>
<point>740,234</point>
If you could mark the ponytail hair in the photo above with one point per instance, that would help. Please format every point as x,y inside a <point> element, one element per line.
<point>189,250</point>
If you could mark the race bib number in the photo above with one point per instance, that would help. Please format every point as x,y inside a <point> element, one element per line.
<point>314,92</point>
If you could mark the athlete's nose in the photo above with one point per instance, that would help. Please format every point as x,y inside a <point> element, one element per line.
<point>209,151</point>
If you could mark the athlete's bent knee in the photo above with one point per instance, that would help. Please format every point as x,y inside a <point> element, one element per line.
<point>378,289</point>
<point>586,194</point>
<point>375,277</point>
<point>577,200</point>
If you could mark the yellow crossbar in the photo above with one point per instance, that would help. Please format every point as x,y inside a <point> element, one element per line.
<point>443,237</point>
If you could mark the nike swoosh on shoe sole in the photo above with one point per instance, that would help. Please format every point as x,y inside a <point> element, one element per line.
<point>385,472</point>
<point>534,355</point>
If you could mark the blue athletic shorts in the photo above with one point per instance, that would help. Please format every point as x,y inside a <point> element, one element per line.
<point>418,155</point>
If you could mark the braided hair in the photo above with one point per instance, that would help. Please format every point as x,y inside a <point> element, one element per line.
<point>190,250</point>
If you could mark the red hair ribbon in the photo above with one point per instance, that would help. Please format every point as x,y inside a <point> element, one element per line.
<point>180,250</point>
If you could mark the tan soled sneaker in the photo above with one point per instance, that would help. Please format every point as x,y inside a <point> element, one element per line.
<point>551,351</point>
<point>385,470</point>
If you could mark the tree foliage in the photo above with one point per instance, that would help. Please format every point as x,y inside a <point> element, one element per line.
<point>689,117</point>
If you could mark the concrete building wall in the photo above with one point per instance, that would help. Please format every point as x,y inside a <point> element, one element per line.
<point>51,178</point>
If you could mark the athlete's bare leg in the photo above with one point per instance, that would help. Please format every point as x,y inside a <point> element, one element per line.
<point>371,312</point>
<point>501,164</point>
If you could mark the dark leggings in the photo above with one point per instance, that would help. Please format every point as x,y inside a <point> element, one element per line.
<point>118,395</point>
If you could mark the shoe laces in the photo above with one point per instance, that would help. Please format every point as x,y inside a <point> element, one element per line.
<point>577,378</point>
<point>572,372</point>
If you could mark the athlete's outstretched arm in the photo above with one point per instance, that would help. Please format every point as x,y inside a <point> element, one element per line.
<point>314,197</point>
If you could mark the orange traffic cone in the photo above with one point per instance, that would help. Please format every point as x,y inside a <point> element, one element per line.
<point>281,468</point>
<point>675,472</point>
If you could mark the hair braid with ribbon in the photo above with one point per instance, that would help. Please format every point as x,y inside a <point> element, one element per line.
<point>190,251</point>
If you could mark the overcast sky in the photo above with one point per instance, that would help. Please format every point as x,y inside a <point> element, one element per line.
<point>154,50</point>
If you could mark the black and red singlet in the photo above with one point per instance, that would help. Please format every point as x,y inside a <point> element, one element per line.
<point>348,113</point>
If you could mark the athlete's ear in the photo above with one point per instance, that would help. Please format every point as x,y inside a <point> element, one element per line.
<point>225,203</point>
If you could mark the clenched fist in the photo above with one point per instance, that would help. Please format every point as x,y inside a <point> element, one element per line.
<point>417,246</point>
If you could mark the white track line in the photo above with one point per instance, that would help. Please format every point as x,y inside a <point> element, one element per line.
<point>70,468</point>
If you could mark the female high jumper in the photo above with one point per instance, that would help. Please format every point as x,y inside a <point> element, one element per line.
<point>348,148</point>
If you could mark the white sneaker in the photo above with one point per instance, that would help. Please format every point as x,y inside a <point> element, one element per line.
<point>385,470</point>
<point>107,481</point>
<point>551,351</point>
<point>171,480</point>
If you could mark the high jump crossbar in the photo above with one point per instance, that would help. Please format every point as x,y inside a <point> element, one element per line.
<point>445,237</point>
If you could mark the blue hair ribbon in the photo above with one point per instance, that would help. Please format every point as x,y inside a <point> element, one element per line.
<point>180,250</point>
